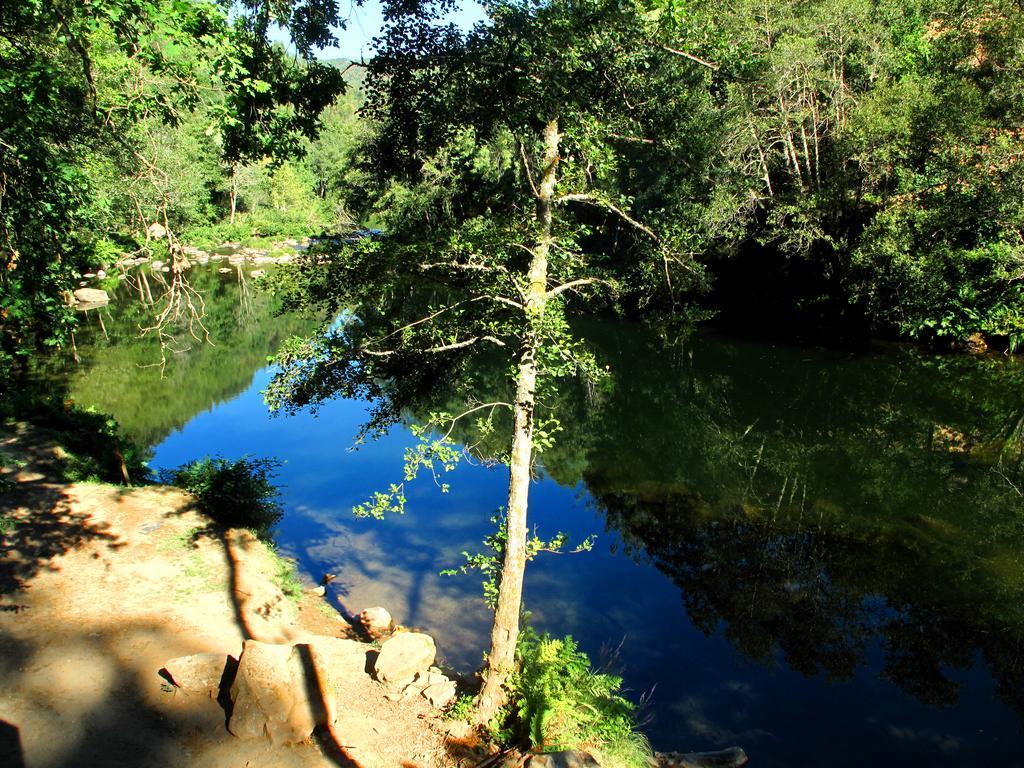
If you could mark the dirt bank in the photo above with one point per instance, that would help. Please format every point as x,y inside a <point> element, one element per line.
<point>101,585</point>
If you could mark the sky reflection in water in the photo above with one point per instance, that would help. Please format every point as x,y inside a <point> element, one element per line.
<point>805,553</point>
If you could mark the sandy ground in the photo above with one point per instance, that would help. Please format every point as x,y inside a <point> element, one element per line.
<point>101,585</point>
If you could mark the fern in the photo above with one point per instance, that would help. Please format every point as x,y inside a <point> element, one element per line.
<point>560,702</point>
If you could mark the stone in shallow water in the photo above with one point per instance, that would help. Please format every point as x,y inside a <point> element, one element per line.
<point>92,296</point>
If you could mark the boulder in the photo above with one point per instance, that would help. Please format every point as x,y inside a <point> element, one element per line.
<point>572,758</point>
<point>276,693</point>
<point>402,657</point>
<point>335,659</point>
<point>156,231</point>
<point>338,655</point>
<point>91,296</point>
<point>976,344</point>
<point>734,757</point>
<point>440,695</point>
<point>200,673</point>
<point>376,621</point>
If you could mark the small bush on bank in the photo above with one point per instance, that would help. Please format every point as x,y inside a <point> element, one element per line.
<point>250,229</point>
<point>558,701</point>
<point>235,494</point>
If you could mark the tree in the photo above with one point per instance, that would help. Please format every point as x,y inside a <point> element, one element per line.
<point>91,84</point>
<point>869,156</point>
<point>504,159</point>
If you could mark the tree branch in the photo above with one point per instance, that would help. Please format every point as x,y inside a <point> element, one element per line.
<point>576,283</point>
<point>526,167</point>
<point>492,406</point>
<point>598,203</point>
<point>431,350</point>
<point>696,59</point>
<point>425,319</point>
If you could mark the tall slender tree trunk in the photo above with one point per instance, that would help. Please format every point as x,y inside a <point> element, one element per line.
<point>505,630</point>
<point>233,194</point>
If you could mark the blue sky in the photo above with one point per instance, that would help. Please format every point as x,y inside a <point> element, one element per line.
<point>365,22</point>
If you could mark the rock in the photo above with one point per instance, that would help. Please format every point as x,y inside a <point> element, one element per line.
<point>440,695</point>
<point>569,759</point>
<point>335,659</point>
<point>156,231</point>
<point>272,693</point>
<point>157,265</point>
<point>100,273</point>
<point>257,273</point>
<point>91,296</point>
<point>200,673</point>
<point>343,656</point>
<point>376,621</point>
<point>734,757</point>
<point>975,344</point>
<point>402,656</point>
<point>89,275</point>
<point>225,270</point>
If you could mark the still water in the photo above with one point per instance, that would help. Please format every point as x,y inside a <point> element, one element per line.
<point>812,554</point>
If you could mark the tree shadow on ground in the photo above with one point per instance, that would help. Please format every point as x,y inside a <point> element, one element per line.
<point>42,526</point>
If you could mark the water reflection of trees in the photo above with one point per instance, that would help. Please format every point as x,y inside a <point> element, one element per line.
<point>822,595</point>
<point>118,373</point>
<point>815,506</point>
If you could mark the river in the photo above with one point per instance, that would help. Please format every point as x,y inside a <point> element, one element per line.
<point>812,554</point>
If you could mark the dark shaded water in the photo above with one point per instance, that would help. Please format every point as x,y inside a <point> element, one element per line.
<point>814,555</point>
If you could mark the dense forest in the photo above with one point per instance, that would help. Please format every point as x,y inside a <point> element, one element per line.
<point>849,165</point>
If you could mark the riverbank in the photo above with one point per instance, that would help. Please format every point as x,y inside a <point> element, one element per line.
<point>103,585</point>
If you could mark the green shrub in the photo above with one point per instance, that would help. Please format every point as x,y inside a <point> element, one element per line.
<point>558,701</point>
<point>250,228</point>
<point>235,494</point>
